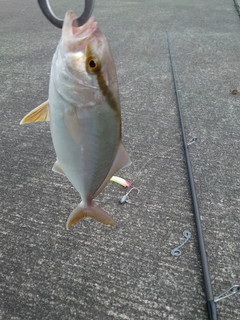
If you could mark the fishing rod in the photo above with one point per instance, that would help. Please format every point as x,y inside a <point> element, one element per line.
<point>211,305</point>
<point>237,7</point>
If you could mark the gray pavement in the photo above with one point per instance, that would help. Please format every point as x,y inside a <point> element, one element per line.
<point>92,271</point>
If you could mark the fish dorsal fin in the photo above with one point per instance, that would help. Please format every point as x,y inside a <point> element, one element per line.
<point>56,168</point>
<point>121,161</point>
<point>39,114</point>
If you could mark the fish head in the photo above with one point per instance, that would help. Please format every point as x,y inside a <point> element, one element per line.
<point>85,60</point>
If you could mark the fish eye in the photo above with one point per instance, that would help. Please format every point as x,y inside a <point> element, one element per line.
<point>93,64</point>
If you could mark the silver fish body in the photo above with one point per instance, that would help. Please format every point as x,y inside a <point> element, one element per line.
<point>85,116</point>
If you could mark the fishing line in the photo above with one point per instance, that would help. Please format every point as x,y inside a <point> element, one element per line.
<point>138,174</point>
<point>211,305</point>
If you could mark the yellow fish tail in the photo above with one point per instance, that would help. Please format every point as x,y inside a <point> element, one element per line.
<point>91,211</point>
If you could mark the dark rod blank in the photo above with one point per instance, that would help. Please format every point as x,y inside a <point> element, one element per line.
<point>211,305</point>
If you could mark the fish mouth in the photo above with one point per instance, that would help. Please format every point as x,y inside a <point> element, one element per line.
<point>83,31</point>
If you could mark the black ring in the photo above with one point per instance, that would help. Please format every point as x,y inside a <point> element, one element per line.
<point>47,11</point>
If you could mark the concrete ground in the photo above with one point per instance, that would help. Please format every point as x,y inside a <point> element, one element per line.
<point>93,272</point>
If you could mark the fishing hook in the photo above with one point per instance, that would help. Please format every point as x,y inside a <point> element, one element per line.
<point>47,11</point>
<point>125,198</point>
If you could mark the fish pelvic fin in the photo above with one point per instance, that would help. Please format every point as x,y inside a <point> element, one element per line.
<point>57,169</point>
<point>90,211</point>
<point>39,114</point>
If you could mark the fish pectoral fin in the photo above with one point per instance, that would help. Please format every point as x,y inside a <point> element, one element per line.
<point>39,114</point>
<point>121,161</point>
<point>56,168</point>
<point>72,122</point>
<point>92,211</point>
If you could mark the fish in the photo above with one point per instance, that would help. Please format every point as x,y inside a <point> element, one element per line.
<point>83,109</point>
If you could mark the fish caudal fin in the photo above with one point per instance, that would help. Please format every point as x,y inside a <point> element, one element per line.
<point>39,114</point>
<point>92,211</point>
